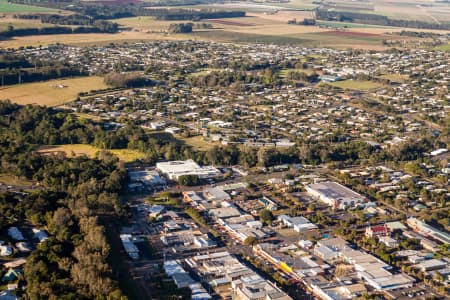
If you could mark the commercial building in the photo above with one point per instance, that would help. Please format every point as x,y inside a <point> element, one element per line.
<point>427,230</point>
<point>214,194</point>
<point>377,231</point>
<point>224,269</point>
<point>334,194</point>
<point>129,246</point>
<point>256,288</point>
<point>174,169</point>
<point>369,268</point>
<point>299,224</point>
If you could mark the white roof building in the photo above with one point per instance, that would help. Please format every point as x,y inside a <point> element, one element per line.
<point>334,194</point>
<point>175,169</point>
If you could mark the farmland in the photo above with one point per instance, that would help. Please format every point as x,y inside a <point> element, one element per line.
<point>53,92</point>
<point>6,7</point>
<point>126,155</point>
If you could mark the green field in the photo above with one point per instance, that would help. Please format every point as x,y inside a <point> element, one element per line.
<point>362,85</point>
<point>347,25</point>
<point>445,47</point>
<point>6,7</point>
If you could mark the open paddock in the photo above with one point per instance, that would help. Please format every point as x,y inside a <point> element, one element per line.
<point>126,155</point>
<point>229,23</point>
<point>351,34</point>
<point>52,92</point>
<point>7,7</point>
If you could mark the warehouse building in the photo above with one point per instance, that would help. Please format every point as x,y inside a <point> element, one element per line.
<point>174,169</point>
<point>334,194</point>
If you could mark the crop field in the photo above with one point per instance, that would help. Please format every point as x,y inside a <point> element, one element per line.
<point>362,85</point>
<point>52,92</point>
<point>261,27</point>
<point>6,7</point>
<point>125,155</point>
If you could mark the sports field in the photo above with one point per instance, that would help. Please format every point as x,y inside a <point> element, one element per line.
<point>362,85</point>
<point>125,155</point>
<point>52,92</point>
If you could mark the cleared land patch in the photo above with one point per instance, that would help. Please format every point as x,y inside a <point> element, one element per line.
<point>52,92</point>
<point>6,7</point>
<point>126,155</point>
<point>362,85</point>
<point>196,142</point>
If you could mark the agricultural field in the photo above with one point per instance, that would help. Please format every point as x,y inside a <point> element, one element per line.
<point>6,7</point>
<point>87,39</point>
<point>268,26</point>
<point>125,155</point>
<point>21,23</point>
<point>361,85</point>
<point>52,92</point>
<point>445,47</point>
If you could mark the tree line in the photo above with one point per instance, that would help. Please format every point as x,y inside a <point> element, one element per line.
<point>79,195</point>
<point>98,26</point>
<point>374,19</point>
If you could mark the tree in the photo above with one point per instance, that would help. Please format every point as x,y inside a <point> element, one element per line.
<point>311,207</point>
<point>251,241</point>
<point>188,180</point>
<point>266,216</point>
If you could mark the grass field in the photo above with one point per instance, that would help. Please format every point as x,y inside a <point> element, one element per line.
<point>197,142</point>
<point>8,179</point>
<point>21,24</point>
<point>125,155</point>
<point>51,92</point>
<point>356,84</point>
<point>283,73</point>
<point>445,47</point>
<point>395,77</point>
<point>6,7</point>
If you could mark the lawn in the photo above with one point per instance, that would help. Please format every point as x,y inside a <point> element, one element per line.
<point>126,155</point>
<point>362,85</point>
<point>52,92</point>
<point>6,7</point>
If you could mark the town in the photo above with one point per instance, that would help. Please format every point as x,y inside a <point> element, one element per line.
<point>266,172</point>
